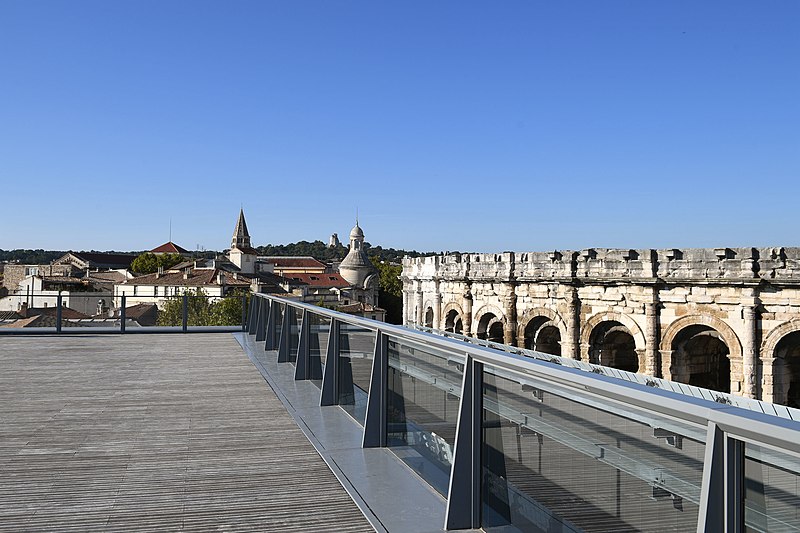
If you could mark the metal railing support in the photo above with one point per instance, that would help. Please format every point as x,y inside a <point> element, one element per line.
<point>59,313</point>
<point>244,312</point>
<point>734,485</point>
<point>260,329</point>
<point>269,341</point>
<point>464,493</point>
<point>375,424</point>
<point>712,493</point>
<point>302,362</point>
<point>122,316</point>
<point>330,388</point>
<point>185,312</point>
<point>253,317</point>
<point>283,344</point>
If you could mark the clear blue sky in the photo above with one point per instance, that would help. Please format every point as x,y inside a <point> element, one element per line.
<point>486,126</point>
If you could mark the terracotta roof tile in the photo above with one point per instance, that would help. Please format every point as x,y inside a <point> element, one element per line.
<point>198,277</point>
<point>296,262</point>
<point>319,280</point>
<point>170,248</point>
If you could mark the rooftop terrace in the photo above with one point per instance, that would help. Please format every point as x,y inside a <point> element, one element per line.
<point>166,432</point>
<point>311,419</point>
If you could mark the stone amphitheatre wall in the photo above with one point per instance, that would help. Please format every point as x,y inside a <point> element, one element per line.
<point>689,315</point>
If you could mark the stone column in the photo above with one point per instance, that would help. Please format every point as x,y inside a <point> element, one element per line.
<point>437,307</point>
<point>749,351</point>
<point>651,339</point>
<point>768,380</point>
<point>420,312</point>
<point>569,345</point>
<point>466,320</point>
<point>406,301</point>
<point>666,364</point>
<point>510,310</point>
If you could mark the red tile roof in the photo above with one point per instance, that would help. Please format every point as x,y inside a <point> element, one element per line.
<point>66,312</point>
<point>294,262</point>
<point>170,248</point>
<point>319,280</point>
<point>198,277</point>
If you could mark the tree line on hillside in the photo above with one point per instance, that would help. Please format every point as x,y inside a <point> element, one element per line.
<point>320,251</point>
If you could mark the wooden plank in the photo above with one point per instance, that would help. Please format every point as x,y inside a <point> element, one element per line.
<point>166,432</point>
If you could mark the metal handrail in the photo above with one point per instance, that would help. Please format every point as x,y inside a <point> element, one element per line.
<point>717,424</point>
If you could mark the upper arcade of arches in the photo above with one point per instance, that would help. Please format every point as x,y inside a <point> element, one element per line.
<point>702,264</point>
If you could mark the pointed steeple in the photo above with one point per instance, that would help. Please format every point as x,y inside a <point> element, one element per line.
<point>241,237</point>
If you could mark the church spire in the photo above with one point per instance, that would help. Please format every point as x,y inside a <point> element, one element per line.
<point>241,237</point>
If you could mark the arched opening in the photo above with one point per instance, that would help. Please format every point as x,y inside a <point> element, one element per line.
<point>787,370</point>
<point>429,318</point>
<point>611,344</point>
<point>453,323</point>
<point>701,357</point>
<point>543,336</point>
<point>490,328</point>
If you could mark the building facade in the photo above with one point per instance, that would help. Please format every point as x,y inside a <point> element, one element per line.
<point>724,319</point>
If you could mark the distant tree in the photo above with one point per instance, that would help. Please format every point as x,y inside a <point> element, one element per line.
<point>202,311</point>
<point>390,296</point>
<point>148,262</point>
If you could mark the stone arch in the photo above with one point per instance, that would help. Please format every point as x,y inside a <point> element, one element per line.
<point>548,324</point>
<point>530,314</point>
<point>725,331</point>
<point>774,337</point>
<point>457,318</point>
<point>592,325</point>
<point>780,360</point>
<point>625,320</point>
<point>485,319</point>
<point>726,335</point>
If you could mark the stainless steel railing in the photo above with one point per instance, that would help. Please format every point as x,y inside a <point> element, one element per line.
<point>517,441</point>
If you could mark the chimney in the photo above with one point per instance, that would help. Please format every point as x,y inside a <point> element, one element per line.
<point>220,279</point>
<point>23,310</point>
<point>159,272</point>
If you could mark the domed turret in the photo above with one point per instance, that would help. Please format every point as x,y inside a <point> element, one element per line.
<point>356,266</point>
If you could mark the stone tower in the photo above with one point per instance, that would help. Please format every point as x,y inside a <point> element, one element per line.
<point>358,270</point>
<point>242,253</point>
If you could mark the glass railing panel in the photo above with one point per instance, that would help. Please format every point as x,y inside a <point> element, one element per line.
<point>356,351</point>
<point>319,329</point>
<point>424,385</point>
<point>772,490</point>
<point>557,460</point>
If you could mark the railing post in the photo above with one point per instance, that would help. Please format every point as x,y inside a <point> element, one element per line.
<point>375,423</point>
<point>252,315</point>
<point>260,332</point>
<point>734,485</point>
<point>185,312</point>
<point>330,387</point>
<point>283,343</point>
<point>464,494</point>
<point>122,317</point>
<point>303,363</point>
<point>244,312</point>
<point>269,343</point>
<point>58,312</point>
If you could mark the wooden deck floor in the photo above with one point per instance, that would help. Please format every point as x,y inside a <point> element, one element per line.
<point>154,432</point>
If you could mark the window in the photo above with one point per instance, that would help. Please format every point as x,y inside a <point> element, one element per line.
<point>31,271</point>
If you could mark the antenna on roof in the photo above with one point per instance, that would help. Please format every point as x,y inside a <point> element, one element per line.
<point>170,229</point>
